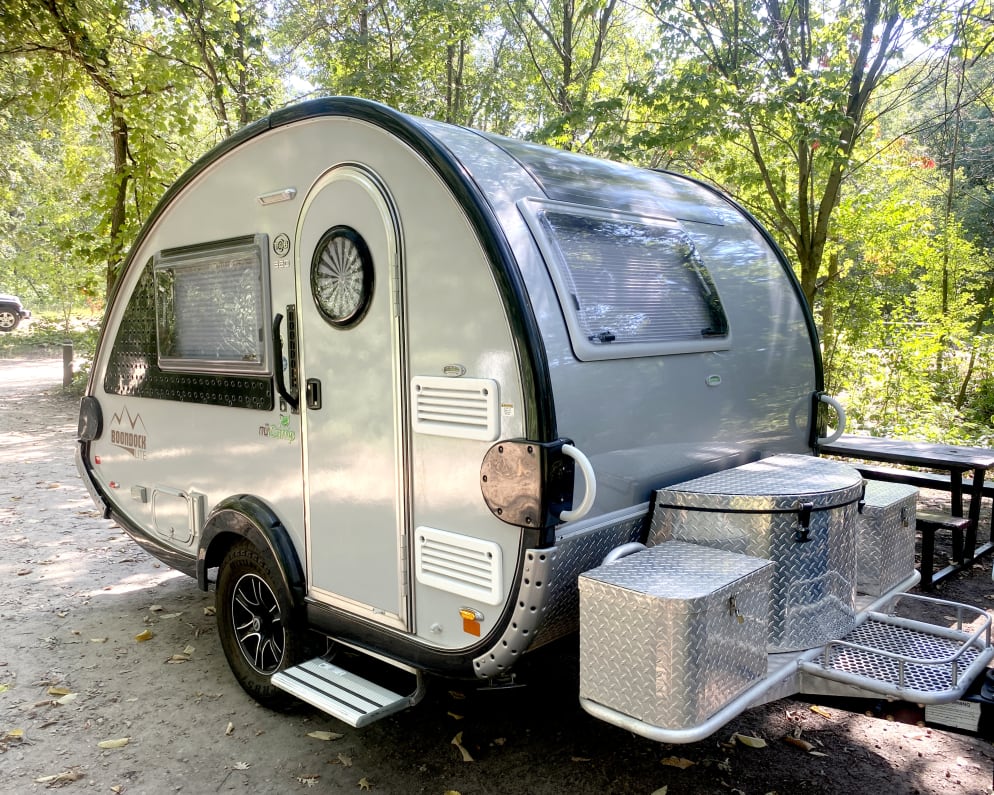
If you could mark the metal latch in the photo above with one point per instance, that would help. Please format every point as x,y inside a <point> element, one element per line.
<point>804,521</point>
<point>733,610</point>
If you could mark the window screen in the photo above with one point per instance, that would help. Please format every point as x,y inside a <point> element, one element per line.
<point>211,307</point>
<point>629,285</point>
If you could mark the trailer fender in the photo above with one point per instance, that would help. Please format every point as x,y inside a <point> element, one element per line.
<point>248,517</point>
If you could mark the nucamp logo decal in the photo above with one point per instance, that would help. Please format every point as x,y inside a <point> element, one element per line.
<point>128,433</point>
<point>282,431</point>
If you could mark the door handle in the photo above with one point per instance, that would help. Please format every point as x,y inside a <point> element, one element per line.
<point>312,392</point>
<point>290,399</point>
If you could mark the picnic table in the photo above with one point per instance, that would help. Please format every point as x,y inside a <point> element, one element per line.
<point>953,459</point>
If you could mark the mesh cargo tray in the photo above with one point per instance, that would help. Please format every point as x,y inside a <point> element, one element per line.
<point>909,659</point>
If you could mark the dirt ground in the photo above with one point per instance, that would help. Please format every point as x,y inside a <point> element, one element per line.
<point>76,593</point>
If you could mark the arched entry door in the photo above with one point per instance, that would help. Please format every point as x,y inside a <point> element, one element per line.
<point>352,375</point>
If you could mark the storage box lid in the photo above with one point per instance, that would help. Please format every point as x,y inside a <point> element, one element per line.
<point>880,494</point>
<point>677,570</point>
<point>777,483</point>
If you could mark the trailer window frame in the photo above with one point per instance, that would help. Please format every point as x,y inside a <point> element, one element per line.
<point>639,333</point>
<point>246,351</point>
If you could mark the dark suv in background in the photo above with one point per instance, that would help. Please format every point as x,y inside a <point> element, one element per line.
<point>12,312</point>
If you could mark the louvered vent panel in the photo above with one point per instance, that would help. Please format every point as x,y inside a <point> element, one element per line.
<point>459,564</point>
<point>464,408</point>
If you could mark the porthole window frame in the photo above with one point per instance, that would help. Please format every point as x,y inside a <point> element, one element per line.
<point>355,316</point>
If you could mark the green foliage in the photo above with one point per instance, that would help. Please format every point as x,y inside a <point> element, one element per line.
<point>859,133</point>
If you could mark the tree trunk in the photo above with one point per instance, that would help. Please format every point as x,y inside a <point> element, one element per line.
<point>121,176</point>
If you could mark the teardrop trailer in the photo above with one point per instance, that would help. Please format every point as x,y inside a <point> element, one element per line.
<point>440,397</point>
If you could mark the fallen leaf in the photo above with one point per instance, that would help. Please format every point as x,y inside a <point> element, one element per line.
<point>229,729</point>
<point>59,691</point>
<point>170,615</point>
<point>209,611</point>
<point>676,761</point>
<point>345,760</point>
<point>326,736</point>
<point>804,745</point>
<point>457,695</point>
<point>147,634</point>
<point>98,640</point>
<point>820,711</point>
<point>308,781</point>
<point>661,791</point>
<point>68,698</point>
<point>155,609</point>
<point>578,759</point>
<point>4,688</point>
<point>188,651</point>
<point>14,734</point>
<point>176,659</point>
<point>454,716</point>
<point>816,753</point>
<point>59,779</point>
<point>457,742</point>
<point>751,742</point>
<point>119,743</point>
<point>117,789</point>
<point>500,741</point>
<point>241,766</point>
<point>23,572</point>
<point>365,783</point>
<point>451,792</point>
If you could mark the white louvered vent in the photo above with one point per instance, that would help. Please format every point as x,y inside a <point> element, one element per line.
<point>459,564</point>
<point>464,408</point>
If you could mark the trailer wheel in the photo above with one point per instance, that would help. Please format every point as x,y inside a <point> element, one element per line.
<point>256,624</point>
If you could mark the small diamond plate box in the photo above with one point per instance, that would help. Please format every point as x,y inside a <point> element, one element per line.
<point>885,539</point>
<point>672,634</point>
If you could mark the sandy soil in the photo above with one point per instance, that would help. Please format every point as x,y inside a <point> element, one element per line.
<point>77,593</point>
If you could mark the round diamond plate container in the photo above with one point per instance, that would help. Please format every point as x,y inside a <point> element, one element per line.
<point>797,511</point>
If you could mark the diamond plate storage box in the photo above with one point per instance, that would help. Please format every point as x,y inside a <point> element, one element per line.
<point>672,634</point>
<point>885,540</point>
<point>798,511</point>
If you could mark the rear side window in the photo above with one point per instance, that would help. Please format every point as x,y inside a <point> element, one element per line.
<point>210,307</point>
<point>629,285</point>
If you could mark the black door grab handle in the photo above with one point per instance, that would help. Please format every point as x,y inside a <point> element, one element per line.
<point>291,400</point>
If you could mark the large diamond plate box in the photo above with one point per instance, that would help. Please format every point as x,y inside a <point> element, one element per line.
<point>672,634</point>
<point>796,510</point>
<point>885,538</point>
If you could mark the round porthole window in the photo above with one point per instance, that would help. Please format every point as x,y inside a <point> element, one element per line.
<point>342,276</point>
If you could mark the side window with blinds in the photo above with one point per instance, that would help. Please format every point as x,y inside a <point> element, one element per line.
<point>629,285</point>
<point>211,307</point>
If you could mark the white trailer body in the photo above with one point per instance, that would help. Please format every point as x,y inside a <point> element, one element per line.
<point>360,363</point>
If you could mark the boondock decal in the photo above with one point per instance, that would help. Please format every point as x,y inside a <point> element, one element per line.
<point>128,433</point>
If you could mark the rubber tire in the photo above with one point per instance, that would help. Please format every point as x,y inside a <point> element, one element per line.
<point>245,571</point>
<point>9,319</point>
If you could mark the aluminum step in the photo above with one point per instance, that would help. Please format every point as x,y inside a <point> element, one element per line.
<point>343,694</point>
<point>908,659</point>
